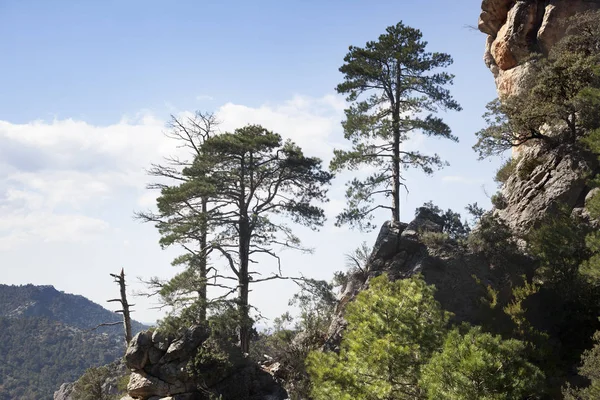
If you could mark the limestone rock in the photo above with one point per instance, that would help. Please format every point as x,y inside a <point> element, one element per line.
<point>161,341</point>
<point>493,15</point>
<point>543,179</point>
<point>452,272</point>
<point>144,386</point>
<point>516,29</point>
<point>183,347</point>
<point>136,355</point>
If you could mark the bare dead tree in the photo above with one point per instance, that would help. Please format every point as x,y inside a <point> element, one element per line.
<point>125,306</point>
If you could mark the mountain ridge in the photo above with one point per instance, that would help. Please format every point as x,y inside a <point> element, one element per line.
<point>51,337</point>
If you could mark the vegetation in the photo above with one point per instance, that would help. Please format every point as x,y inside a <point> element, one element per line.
<point>402,83</point>
<point>479,365</point>
<point>231,203</point>
<point>393,328</point>
<point>506,170</point>
<point>37,355</point>
<point>95,382</point>
<point>590,369</point>
<point>180,221</point>
<point>51,340</point>
<point>252,176</point>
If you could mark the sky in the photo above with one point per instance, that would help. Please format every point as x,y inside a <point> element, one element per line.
<point>86,88</point>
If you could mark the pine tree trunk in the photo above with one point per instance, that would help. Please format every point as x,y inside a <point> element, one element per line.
<point>202,295</point>
<point>396,174</point>
<point>244,283</point>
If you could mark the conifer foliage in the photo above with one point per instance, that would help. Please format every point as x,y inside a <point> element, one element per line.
<point>395,88</point>
<point>255,182</point>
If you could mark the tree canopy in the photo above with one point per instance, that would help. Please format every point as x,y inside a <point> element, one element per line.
<point>478,365</point>
<point>254,181</point>
<point>393,329</point>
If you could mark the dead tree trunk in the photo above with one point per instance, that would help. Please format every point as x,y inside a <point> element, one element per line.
<point>120,279</point>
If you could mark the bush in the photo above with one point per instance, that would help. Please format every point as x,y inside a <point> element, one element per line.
<point>393,329</point>
<point>590,369</point>
<point>499,201</point>
<point>436,241</point>
<point>506,170</point>
<point>478,365</point>
<point>559,245</point>
<point>452,225</point>
<point>492,238</point>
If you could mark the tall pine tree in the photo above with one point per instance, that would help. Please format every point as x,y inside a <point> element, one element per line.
<point>254,181</point>
<point>403,88</point>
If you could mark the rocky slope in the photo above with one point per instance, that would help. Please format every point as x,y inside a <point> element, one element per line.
<point>543,178</point>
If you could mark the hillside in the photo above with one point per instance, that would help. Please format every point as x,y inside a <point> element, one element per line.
<point>46,339</point>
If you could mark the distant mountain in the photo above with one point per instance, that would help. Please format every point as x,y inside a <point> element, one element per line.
<point>45,340</point>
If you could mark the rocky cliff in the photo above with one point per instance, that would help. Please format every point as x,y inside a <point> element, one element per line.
<point>516,29</point>
<point>544,177</point>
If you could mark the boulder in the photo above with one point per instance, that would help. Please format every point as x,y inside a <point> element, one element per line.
<point>144,386</point>
<point>161,341</point>
<point>182,348</point>
<point>136,355</point>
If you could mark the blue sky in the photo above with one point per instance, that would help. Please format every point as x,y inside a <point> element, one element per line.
<point>86,87</point>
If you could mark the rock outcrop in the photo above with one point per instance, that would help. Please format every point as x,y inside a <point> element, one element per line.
<point>544,177</point>
<point>400,252</point>
<point>516,29</point>
<point>159,371</point>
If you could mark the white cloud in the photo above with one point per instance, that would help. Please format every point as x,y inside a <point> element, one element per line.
<point>58,176</point>
<point>310,122</point>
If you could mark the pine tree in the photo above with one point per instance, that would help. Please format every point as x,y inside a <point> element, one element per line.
<point>403,84</point>
<point>393,329</point>
<point>254,181</point>
<point>478,365</point>
<point>178,222</point>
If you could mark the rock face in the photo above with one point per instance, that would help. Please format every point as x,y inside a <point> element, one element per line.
<point>543,179</point>
<point>159,371</point>
<point>516,29</point>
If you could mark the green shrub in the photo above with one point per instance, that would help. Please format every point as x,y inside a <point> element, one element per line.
<point>590,369</point>
<point>492,238</point>
<point>478,365</point>
<point>436,240</point>
<point>506,170</point>
<point>393,329</point>
<point>499,201</point>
